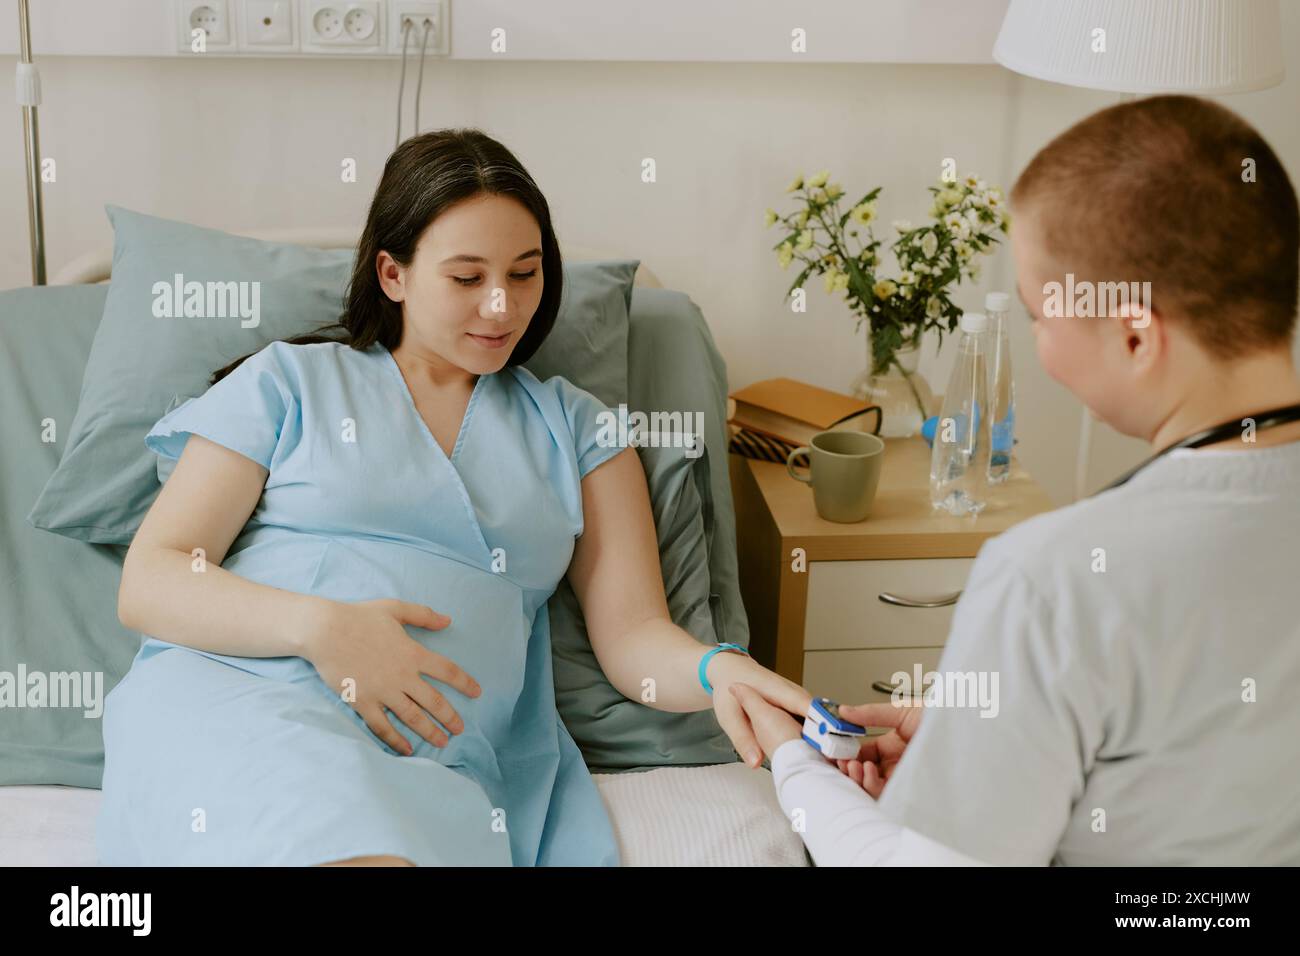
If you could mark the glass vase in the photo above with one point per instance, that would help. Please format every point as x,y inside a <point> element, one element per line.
<point>903,394</point>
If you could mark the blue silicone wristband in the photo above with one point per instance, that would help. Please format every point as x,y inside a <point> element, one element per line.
<point>704,661</point>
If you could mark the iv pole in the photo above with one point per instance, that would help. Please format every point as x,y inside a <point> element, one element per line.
<point>28,83</point>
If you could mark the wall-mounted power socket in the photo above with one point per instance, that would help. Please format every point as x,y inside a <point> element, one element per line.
<point>342,26</point>
<point>212,17</point>
<point>437,12</point>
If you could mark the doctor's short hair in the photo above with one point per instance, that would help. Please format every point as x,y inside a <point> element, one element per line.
<point>1182,193</point>
<point>425,176</point>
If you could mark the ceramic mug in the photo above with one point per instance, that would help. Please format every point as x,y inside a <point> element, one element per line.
<point>844,471</point>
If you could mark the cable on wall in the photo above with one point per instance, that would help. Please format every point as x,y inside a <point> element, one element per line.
<point>401,84</point>
<point>419,80</point>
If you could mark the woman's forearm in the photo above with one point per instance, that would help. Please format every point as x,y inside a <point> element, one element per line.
<point>658,663</point>
<point>164,595</point>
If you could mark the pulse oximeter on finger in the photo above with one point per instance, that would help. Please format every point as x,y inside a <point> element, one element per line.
<point>829,733</point>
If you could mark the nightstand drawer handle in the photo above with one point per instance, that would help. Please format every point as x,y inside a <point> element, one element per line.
<point>899,601</point>
<point>885,687</point>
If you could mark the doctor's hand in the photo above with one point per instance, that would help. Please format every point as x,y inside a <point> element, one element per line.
<point>778,694</point>
<point>878,756</point>
<point>362,652</point>
<point>773,726</point>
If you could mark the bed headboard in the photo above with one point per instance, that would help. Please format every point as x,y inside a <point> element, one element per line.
<point>97,265</point>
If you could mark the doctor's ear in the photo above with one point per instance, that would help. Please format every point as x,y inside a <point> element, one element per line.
<point>392,277</point>
<point>1143,329</point>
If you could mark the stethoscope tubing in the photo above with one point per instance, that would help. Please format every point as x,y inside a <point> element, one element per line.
<point>1269,419</point>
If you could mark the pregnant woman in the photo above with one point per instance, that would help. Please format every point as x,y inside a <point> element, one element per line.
<point>344,580</point>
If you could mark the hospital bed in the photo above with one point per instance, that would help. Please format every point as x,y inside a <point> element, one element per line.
<point>722,814</point>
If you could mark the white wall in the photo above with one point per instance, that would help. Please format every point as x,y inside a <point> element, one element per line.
<point>244,143</point>
<point>836,31</point>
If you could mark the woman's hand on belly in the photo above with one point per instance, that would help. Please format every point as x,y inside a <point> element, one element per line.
<point>362,652</point>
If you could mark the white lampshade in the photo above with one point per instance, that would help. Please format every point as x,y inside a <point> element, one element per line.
<point>1151,46</point>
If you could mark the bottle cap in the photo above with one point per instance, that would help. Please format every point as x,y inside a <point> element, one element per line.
<point>974,322</point>
<point>997,302</point>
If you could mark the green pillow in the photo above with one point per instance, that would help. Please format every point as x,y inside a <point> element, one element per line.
<point>613,732</point>
<point>588,344</point>
<point>140,363</point>
<point>58,597</point>
<point>673,364</point>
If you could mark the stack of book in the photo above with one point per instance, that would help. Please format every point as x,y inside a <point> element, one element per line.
<point>770,419</point>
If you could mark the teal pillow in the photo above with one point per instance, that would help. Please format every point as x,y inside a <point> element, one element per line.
<point>613,732</point>
<point>142,362</point>
<point>588,345</point>
<point>673,364</point>
<point>138,362</point>
<point>58,597</point>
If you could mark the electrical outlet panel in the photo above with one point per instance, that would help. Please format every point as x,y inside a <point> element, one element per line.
<point>342,26</point>
<point>210,16</point>
<point>350,27</point>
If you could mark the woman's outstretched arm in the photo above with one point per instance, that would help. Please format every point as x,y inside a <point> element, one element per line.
<point>616,576</point>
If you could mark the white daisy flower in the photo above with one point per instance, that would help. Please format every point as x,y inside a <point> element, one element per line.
<point>863,213</point>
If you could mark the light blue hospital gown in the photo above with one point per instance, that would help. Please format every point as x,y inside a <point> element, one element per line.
<point>216,760</point>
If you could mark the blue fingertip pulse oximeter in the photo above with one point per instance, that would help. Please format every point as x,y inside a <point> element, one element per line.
<point>829,733</point>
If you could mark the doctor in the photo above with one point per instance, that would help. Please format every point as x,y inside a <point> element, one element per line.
<point>1147,638</point>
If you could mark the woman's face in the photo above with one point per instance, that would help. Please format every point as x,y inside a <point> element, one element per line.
<point>473,285</point>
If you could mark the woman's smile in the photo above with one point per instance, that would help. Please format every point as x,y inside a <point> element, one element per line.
<point>491,341</point>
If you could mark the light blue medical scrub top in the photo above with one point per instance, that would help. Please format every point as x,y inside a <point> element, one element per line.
<point>215,759</point>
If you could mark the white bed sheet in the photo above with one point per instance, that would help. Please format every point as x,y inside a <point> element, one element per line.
<point>726,815</point>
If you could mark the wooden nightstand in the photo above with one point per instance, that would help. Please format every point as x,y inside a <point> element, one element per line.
<point>866,599</point>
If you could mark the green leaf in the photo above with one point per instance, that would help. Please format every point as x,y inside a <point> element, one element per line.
<point>799,281</point>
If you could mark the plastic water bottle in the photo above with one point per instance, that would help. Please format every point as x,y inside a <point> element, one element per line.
<point>959,461</point>
<point>1002,388</point>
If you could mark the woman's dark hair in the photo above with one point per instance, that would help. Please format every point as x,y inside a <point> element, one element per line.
<point>424,177</point>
